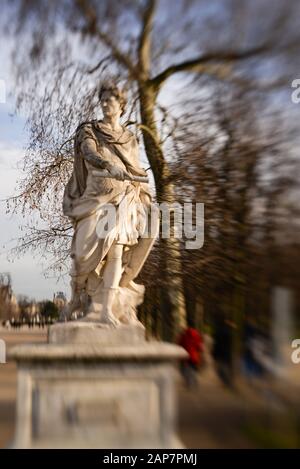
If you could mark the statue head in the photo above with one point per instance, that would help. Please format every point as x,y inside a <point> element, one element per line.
<point>113,99</point>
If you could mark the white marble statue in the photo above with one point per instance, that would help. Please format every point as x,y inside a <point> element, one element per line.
<point>105,263</point>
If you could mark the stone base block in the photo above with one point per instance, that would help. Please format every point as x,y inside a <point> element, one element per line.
<point>95,333</point>
<point>104,394</point>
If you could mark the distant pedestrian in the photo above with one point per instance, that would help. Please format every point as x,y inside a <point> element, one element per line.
<point>191,340</point>
<point>223,350</point>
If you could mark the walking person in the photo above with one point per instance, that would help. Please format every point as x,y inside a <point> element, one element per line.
<point>191,340</point>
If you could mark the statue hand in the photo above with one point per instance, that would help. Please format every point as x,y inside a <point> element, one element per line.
<point>117,173</point>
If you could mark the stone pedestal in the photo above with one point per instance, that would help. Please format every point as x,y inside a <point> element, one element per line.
<point>96,387</point>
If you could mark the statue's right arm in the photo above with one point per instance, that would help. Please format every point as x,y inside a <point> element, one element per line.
<point>92,156</point>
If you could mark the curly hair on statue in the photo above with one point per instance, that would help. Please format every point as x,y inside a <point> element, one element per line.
<point>119,93</point>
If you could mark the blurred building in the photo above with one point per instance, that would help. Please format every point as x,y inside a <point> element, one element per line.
<point>60,300</point>
<point>9,307</point>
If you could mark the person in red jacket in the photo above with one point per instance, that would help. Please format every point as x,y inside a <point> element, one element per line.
<point>191,340</point>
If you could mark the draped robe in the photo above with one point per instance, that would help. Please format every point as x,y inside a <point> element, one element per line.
<point>85,199</point>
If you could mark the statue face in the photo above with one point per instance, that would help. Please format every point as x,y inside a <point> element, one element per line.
<point>110,105</point>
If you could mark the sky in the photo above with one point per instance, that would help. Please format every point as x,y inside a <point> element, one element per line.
<point>27,273</point>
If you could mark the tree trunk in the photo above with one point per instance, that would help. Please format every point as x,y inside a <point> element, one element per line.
<point>171,292</point>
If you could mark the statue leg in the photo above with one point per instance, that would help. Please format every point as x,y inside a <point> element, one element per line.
<point>111,279</point>
<point>78,297</point>
<point>83,262</point>
<point>113,268</point>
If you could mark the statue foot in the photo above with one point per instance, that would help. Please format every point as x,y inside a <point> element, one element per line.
<point>109,319</point>
<point>106,319</point>
<point>76,307</point>
<point>106,315</point>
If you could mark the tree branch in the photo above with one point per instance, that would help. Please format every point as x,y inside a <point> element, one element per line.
<point>210,59</point>
<point>98,65</point>
<point>93,29</point>
<point>144,48</point>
